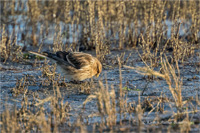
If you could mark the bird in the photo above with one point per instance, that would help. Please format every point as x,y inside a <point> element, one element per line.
<point>75,66</point>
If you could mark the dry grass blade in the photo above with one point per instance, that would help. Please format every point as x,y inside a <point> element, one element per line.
<point>89,98</point>
<point>169,76</point>
<point>146,71</point>
<point>40,102</point>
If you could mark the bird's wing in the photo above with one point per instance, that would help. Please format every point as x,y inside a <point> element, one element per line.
<point>78,59</point>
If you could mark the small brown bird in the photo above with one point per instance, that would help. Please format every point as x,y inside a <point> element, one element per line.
<point>75,66</point>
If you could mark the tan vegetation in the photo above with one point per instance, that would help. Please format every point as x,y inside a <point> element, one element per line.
<point>164,33</point>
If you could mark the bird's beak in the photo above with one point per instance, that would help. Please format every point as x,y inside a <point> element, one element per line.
<point>97,75</point>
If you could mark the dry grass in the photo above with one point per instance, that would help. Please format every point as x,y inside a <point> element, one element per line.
<point>102,25</point>
<point>169,74</point>
<point>99,26</point>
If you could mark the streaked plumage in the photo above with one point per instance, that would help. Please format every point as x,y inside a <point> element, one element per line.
<point>76,66</point>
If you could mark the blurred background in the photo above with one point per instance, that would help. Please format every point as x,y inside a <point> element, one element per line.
<point>97,25</point>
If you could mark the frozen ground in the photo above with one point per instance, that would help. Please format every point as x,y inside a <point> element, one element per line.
<point>134,84</point>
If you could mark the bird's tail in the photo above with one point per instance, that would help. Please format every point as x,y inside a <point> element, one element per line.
<point>53,57</point>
